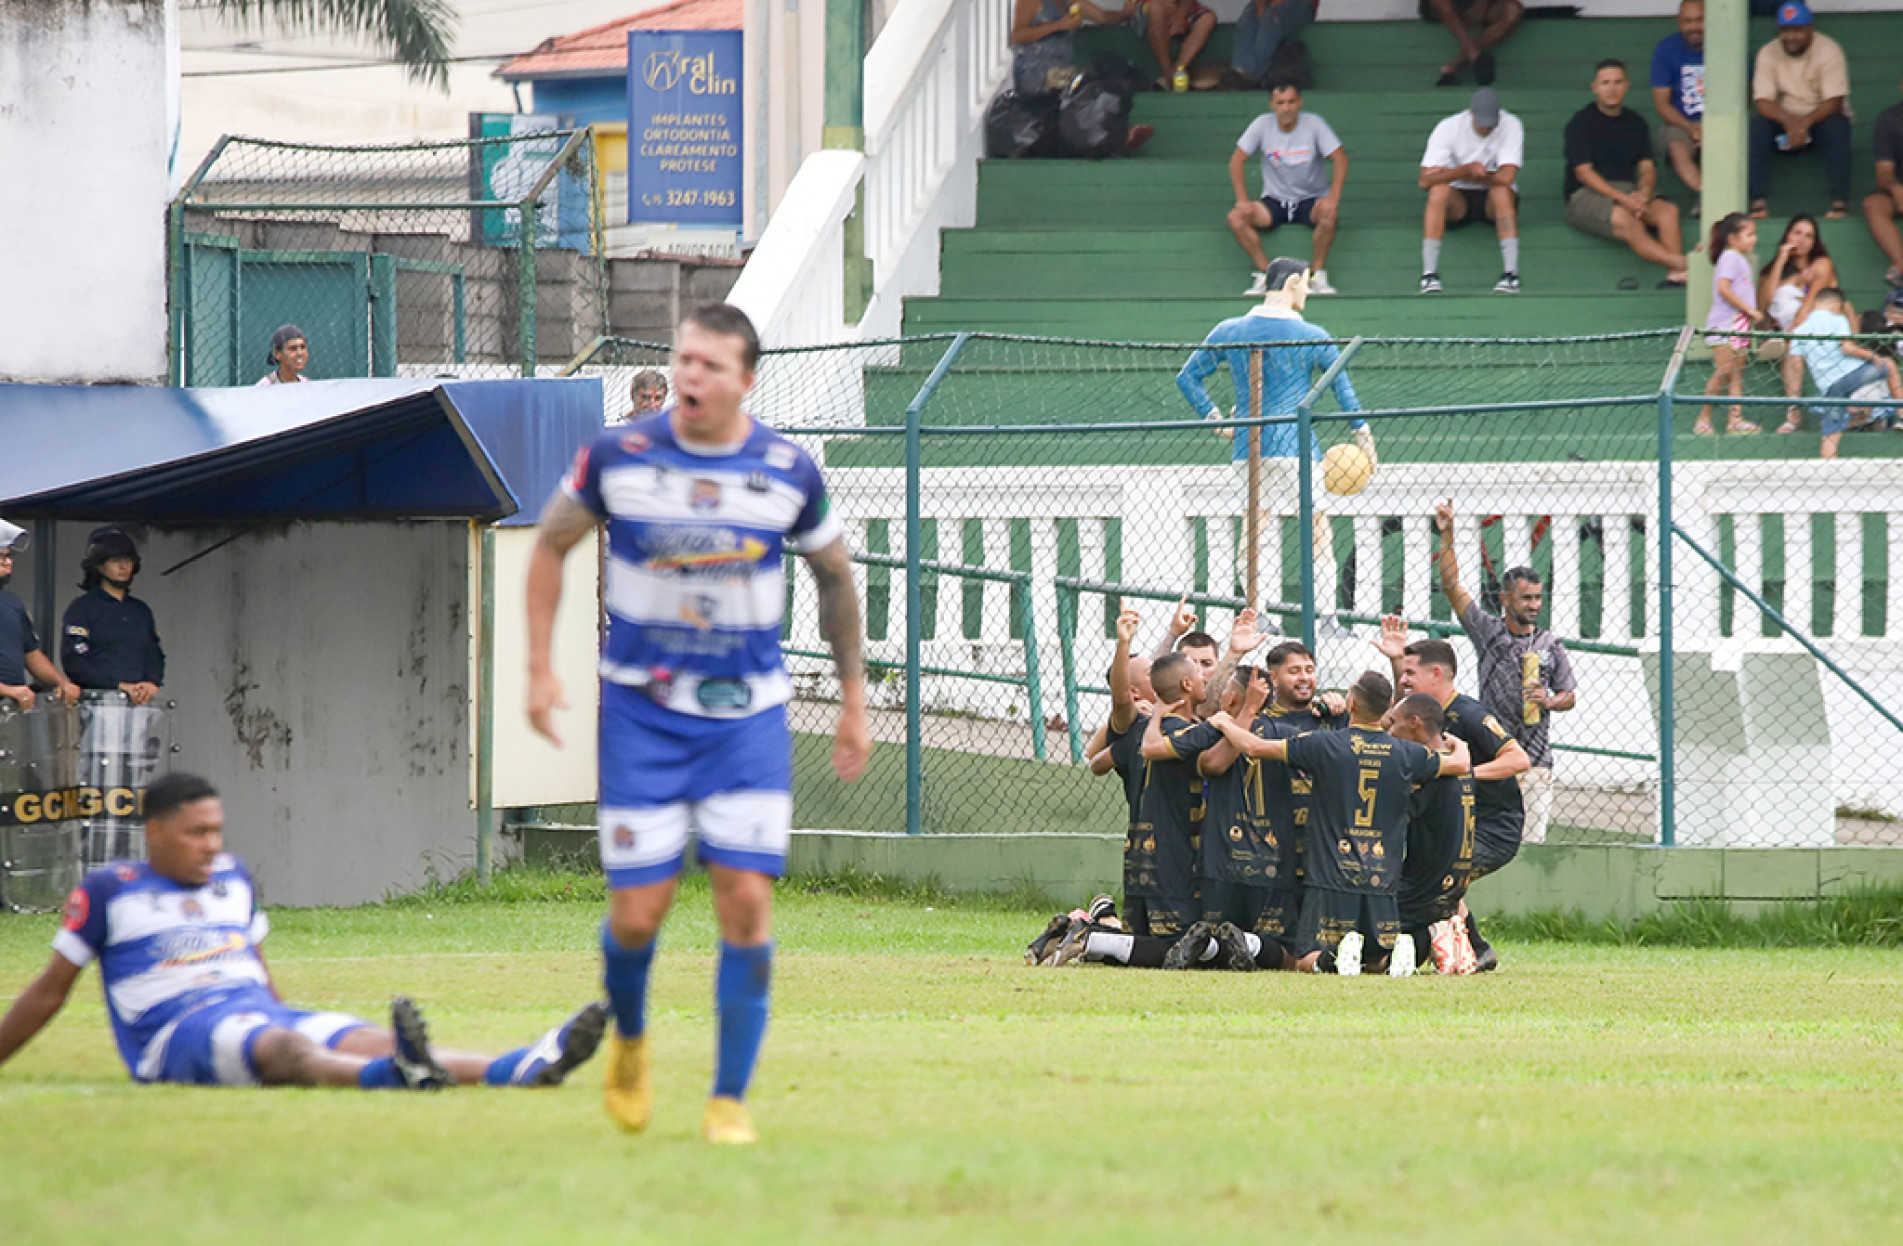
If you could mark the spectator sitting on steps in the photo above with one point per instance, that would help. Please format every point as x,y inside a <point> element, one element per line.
<point>1610,178</point>
<point>1478,26</point>
<point>1469,172</point>
<point>1800,88</point>
<point>1678,94</point>
<point>1292,145</point>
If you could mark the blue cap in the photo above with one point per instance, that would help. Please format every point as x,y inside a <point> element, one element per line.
<point>1793,13</point>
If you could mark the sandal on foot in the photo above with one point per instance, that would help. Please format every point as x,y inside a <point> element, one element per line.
<point>1743,428</point>
<point>1839,211</point>
<point>1759,209</point>
<point>1790,426</point>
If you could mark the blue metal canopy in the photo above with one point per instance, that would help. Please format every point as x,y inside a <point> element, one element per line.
<point>360,449</point>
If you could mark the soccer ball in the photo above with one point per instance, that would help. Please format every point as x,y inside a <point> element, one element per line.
<point>1346,469</point>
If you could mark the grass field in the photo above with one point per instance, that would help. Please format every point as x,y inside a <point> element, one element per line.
<point>919,1084</point>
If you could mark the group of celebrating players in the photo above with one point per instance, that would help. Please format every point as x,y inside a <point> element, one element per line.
<point>1273,826</point>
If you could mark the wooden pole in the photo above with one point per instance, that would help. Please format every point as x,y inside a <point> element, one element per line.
<point>1252,522</point>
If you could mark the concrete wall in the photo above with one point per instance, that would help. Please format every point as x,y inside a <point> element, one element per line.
<point>1601,882</point>
<point>84,142</point>
<point>648,297</point>
<point>321,678</point>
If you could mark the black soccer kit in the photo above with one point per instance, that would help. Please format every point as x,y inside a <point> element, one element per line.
<point>1161,895</point>
<point>1498,813</point>
<point>1440,849</point>
<point>1357,832</point>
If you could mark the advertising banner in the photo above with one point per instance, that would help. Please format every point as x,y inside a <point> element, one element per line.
<point>684,119</point>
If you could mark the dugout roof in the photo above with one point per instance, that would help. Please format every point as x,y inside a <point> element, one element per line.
<point>352,449</point>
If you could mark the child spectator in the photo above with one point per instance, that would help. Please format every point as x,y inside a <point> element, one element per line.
<point>1734,312</point>
<point>1841,366</point>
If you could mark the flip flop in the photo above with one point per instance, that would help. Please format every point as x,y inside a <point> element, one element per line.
<point>1839,211</point>
<point>1745,429</point>
<point>1706,431</point>
<point>1760,209</point>
<point>1485,70</point>
<point>1788,427</point>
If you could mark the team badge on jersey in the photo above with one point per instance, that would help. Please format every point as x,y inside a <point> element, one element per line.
<point>78,909</point>
<point>624,837</point>
<point>634,443</point>
<point>704,495</point>
<point>780,456</point>
<point>192,909</point>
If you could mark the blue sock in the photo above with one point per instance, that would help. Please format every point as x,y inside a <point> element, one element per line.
<point>501,1070</point>
<point>625,973</point>
<point>379,1074</point>
<point>740,995</point>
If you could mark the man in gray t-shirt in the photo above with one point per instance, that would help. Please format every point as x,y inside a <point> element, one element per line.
<point>1292,145</point>
<point>1502,645</point>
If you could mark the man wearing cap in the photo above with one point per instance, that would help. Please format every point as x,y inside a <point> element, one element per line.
<point>1800,87</point>
<point>108,638</point>
<point>289,356</point>
<point>20,653</point>
<point>1881,206</point>
<point>1469,172</point>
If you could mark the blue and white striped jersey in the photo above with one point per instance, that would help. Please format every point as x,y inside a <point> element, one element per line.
<point>163,948</point>
<point>695,584</point>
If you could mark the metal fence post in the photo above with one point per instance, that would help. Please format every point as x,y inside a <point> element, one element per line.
<point>1033,683</point>
<point>525,281</point>
<point>1304,439</point>
<point>914,589</point>
<point>175,289</point>
<point>1067,652</point>
<point>1668,825</point>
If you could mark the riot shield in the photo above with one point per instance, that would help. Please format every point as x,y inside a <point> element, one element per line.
<point>40,831</point>
<point>121,747</point>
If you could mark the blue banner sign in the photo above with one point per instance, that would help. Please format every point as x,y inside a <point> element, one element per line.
<point>684,165</point>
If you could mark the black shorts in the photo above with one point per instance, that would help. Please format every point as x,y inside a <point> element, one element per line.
<point>1163,917</point>
<point>1283,211</point>
<point>1329,915</point>
<point>1271,912</point>
<point>1496,842</point>
<point>1476,201</point>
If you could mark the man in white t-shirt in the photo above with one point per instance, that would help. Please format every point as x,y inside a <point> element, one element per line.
<point>1469,172</point>
<point>1295,187</point>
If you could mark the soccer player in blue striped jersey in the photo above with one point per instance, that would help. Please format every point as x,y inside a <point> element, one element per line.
<point>700,505</point>
<point>1298,353</point>
<point>178,939</point>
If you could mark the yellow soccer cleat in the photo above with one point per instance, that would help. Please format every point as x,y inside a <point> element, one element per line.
<point>628,1090</point>
<point>727,1122</point>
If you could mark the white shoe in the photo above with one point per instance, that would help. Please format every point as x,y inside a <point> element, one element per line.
<point>1318,282</point>
<point>1258,284</point>
<point>1348,955</point>
<point>1401,962</point>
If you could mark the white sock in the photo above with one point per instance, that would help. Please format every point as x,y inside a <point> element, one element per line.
<point>1253,942</point>
<point>1430,255</point>
<point>1102,945</point>
<point>1510,254</point>
<point>1209,952</point>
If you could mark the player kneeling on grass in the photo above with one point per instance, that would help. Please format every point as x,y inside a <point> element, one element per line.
<point>191,1001</point>
<point>1357,829</point>
<point>1440,848</point>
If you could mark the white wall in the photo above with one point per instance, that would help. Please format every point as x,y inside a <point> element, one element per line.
<point>84,145</point>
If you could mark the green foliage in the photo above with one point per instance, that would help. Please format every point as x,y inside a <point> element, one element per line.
<point>418,33</point>
<point>1861,917</point>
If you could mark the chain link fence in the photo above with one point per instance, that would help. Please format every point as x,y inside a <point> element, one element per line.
<point>1007,496</point>
<point>480,258</point>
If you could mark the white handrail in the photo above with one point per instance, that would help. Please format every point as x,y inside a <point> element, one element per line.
<point>929,77</point>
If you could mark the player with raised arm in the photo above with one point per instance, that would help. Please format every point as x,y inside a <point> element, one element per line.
<point>699,502</point>
<point>178,939</point>
<point>1428,666</point>
<point>1357,829</point>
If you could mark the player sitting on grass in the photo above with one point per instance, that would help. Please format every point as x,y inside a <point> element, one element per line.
<point>191,1001</point>
<point>1428,666</point>
<point>1440,848</point>
<point>1357,829</point>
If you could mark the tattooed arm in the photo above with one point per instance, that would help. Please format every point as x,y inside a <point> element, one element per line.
<point>839,623</point>
<point>564,523</point>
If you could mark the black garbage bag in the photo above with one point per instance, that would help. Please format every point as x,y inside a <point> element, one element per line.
<point>1021,126</point>
<point>1093,121</point>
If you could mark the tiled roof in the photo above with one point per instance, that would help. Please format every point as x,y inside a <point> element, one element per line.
<point>603,49</point>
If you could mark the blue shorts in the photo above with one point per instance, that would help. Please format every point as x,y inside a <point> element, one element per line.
<point>212,1044</point>
<point>662,772</point>
<point>1837,419</point>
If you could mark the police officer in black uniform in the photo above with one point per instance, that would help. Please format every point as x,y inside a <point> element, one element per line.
<point>21,659</point>
<point>108,639</point>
